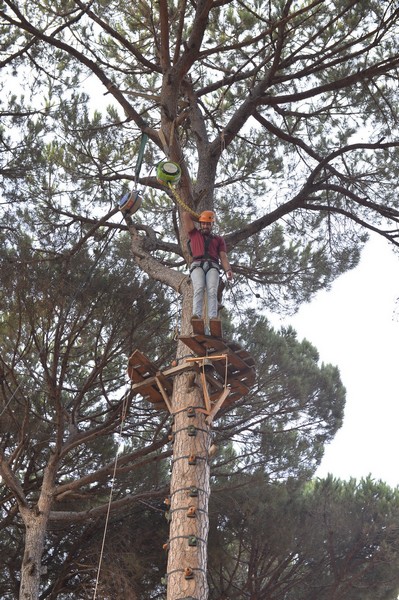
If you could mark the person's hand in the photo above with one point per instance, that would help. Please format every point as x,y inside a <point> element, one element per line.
<point>229,274</point>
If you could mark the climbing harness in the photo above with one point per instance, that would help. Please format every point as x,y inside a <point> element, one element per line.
<point>205,258</point>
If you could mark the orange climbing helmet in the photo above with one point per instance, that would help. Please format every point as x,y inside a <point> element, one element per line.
<point>207,216</point>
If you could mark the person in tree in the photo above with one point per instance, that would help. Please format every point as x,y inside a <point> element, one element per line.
<point>209,254</point>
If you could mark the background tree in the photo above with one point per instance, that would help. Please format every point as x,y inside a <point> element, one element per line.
<point>66,334</point>
<point>326,539</point>
<point>281,116</point>
<point>60,389</point>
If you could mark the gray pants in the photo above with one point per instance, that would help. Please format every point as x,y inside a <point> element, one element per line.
<point>205,277</point>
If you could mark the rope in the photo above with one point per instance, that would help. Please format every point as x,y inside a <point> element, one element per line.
<point>177,320</point>
<point>183,570</point>
<point>186,537</point>
<point>188,457</point>
<point>226,371</point>
<point>180,201</point>
<point>124,407</point>
<point>191,428</point>
<point>12,396</point>
<point>238,311</point>
<point>144,139</point>
<point>188,408</point>
<point>189,488</point>
<point>185,508</point>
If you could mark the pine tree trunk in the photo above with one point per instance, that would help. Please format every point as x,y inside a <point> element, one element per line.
<point>35,533</point>
<point>190,484</point>
<point>189,494</point>
<point>36,521</point>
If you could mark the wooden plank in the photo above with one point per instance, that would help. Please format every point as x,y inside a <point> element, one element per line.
<point>240,352</point>
<point>150,393</point>
<point>139,360</point>
<point>213,382</point>
<point>193,344</point>
<point>164,393</point>
<point>198,326</point>
<point>214,396</point>
<point>156,385</point>
<point>150,387</point>
<point>156,405</point>
<point>210,357</point>
<point>233,397</point>
<point>218,405</point>
<point>172,371</point>
<point>139,366</point>
<point>206,393</point>
<point>160,406</point>
<point>183,366</point>
<point>140,370</point>
<point>213,344</point>
<point>164,381</point>
<point>215,326</point>
<point>237,361</point>
<point>237,386</point>
<point>232,371</point>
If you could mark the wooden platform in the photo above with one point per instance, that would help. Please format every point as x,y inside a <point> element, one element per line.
<point>149,381</point>
<point>239,373</point>
<point>233,366</point>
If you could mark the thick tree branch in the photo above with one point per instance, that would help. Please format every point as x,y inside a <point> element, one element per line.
<point>12,482</point>
<point>125,463</point>
<point>92,66</point>
<point>150,265</point>
<point>116,505</point>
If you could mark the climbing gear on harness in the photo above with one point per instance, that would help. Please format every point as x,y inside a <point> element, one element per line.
<point>168,172</point>
<point>130,202</point>
<point>207,216</point>
<point>199,261</point>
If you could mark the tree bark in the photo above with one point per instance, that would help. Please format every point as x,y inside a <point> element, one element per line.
<point>35,520</point>
<point>190,487</point>
<point>31,571</point>
<point>189,494</point>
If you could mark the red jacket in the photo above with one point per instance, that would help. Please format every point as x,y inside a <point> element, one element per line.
<point>197,243</point>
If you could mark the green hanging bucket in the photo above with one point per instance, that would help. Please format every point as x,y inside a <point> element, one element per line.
<point>168,172</point>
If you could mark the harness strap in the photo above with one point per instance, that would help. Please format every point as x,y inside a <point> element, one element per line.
<point>212,264</point>
<point>206,256</point>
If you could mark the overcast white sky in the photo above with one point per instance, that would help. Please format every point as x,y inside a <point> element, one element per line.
<point>354,326</point>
